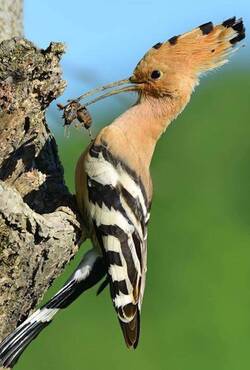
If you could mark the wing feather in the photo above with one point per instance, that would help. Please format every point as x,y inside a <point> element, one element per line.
<point>119,210</point>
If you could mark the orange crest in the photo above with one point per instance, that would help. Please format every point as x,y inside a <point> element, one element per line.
<point>173,65</point>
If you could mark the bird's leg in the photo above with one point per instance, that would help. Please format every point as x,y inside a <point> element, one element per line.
<point>89,272</point>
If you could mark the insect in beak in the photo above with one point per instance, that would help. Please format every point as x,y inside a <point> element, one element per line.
<point>75,110</point>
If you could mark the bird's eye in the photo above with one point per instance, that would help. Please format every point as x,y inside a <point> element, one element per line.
<point>156,74</point>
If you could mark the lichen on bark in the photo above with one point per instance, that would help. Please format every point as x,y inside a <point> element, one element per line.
<point>40,227</point>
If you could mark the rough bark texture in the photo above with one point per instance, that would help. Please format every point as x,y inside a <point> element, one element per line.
<point>11,19</point>
<point>39,224</point>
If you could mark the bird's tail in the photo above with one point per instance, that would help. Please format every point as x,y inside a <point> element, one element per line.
<point>13,346</point>
<point>90,271</point>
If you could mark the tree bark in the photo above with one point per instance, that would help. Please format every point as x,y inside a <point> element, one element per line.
<point>11,19</point>
<point>40,227</point>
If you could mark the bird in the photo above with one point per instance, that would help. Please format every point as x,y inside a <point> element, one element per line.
<point>113,183</point>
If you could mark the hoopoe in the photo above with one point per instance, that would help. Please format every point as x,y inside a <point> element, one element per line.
<point>113,183</point>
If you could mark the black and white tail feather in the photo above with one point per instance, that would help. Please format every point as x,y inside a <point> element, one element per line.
<point>89,272</point>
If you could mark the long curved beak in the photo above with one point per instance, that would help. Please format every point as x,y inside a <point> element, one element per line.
<point>130,85</point>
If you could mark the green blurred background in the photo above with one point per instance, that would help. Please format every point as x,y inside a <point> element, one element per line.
<point>196,311</point>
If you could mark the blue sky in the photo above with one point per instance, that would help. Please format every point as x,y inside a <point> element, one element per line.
<point>105,39</point>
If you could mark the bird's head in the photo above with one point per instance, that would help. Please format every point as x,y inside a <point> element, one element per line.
<point>162,73</point>
<point>172,68</point>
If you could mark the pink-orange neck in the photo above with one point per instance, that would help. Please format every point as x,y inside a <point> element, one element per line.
<point>144,123</point>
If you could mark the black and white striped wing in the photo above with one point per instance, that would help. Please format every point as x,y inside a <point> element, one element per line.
<point>118,208</point>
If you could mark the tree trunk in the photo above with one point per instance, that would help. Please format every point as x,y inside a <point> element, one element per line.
<point>39,223</point>
<point>11,19</point>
